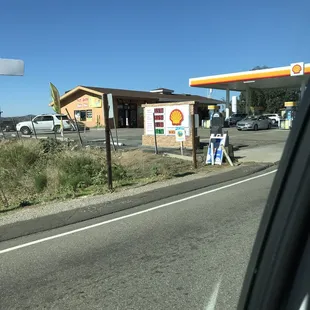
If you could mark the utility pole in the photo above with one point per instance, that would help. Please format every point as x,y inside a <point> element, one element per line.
<point>107,140</point>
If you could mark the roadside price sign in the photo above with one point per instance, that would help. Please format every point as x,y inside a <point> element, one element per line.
<point>180,134</point>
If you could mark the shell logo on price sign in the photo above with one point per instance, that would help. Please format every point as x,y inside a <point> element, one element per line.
<point>176,117</point>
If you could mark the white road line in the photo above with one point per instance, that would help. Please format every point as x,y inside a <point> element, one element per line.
<point>133,214</point>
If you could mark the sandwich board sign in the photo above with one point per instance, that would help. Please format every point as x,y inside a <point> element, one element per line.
<point>215,151</point>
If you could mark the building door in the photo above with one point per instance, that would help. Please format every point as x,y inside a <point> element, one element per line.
<point>133,116</point>
<point>127,115</point>
<point>121,116</point>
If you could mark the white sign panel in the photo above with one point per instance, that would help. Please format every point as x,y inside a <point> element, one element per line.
<point>111,105</point>
<point>11,67</point>
<point>234,104</point>
<point>297,69</point>
<point>180,134</point>
<point>176,116</point>
<point>149,121</point>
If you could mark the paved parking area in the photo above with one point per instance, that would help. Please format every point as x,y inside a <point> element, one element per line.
<point>251,139</point>
<point>133,137</point>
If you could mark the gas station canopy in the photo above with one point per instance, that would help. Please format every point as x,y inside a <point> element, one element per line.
<point>294,76</point>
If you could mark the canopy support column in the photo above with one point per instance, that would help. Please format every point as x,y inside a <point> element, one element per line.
<point>247,99</point>
<point>302,88</point>
<point>227,103</point>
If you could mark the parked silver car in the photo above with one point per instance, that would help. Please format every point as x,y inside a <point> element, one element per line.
<point>254,123</point>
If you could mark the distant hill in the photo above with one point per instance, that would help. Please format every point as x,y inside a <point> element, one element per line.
<point>17,119</point>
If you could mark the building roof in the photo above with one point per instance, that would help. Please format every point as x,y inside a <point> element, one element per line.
<point>287,77</point>
<point>141,94</point>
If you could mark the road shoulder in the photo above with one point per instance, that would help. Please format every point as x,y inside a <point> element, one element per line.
<point>45,217</point>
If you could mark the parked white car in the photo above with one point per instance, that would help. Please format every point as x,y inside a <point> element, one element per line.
<point>254,123</point>
<point>44,123</point>
<point>275,118</point>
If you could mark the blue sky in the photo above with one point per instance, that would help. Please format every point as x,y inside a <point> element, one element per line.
<point>142,45</point>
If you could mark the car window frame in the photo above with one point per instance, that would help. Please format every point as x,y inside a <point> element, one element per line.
<point>64,117</point>
<point>38,118</point>
<point>283,230</point>
<point>47,120</point>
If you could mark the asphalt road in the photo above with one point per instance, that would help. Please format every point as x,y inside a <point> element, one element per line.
<point>168,257</point>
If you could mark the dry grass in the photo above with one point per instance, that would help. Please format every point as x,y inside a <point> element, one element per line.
<point>34,171</point>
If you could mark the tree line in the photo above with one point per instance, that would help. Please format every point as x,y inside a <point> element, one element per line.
<point>272,100</point>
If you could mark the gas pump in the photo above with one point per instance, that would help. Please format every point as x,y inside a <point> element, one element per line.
<point>217,123</point>
<point>218,141</point>
<point>212,109</point>
<point>290,112</point>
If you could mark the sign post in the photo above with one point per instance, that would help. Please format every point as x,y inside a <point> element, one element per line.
<point>194,142</point>
<point>155,140</point>
<point>107,140</point>
<point>180,137</point>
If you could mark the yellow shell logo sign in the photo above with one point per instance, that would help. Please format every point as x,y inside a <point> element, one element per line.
<point>297,69</point>
<point>176,117</point>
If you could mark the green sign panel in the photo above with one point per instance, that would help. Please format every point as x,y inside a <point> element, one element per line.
<point>160,131</point>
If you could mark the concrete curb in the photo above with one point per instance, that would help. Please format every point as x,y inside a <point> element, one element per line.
<point>47,222</point>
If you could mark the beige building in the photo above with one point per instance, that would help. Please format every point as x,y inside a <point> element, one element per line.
<point>85,103</point>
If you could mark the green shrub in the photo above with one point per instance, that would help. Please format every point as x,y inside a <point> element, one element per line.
<point>78,171</point>
<point>19,157</point>
<point>40,182</point>
<point>51,145</point>
<point>155,170</point>
<point>118,172</point>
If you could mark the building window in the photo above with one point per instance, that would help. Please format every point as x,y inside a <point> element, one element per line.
<point>83,115</point>
<point>89,115</point>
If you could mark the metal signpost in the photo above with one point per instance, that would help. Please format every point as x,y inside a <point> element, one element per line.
<point>155,133</point>
<point>194,142</point>
<point>107,140</point>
